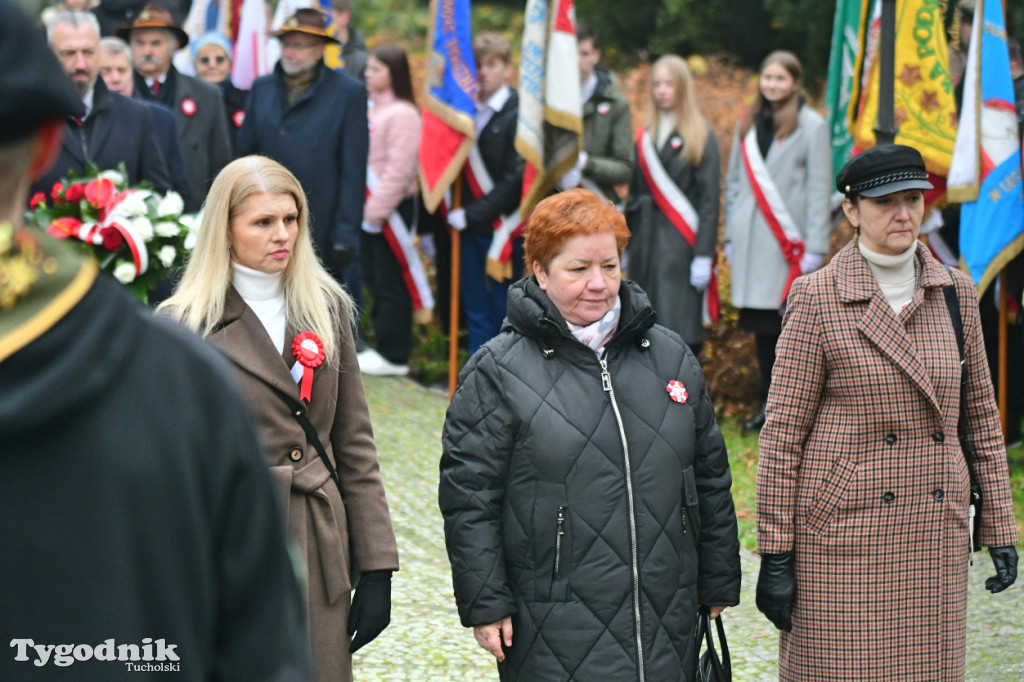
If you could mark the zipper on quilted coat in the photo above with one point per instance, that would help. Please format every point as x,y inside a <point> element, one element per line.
<point>606,384</point>
<point>559,532</point>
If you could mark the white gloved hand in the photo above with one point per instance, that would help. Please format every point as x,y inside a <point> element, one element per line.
<point>427,247</point>
<point>457,219</point>
<point>727,250</point>
<point>700,272</point>
<point>811,262</point>
<point>370,228</point>
<point>571,179</point>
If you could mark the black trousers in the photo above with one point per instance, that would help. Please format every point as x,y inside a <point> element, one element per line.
<point>391,307</point>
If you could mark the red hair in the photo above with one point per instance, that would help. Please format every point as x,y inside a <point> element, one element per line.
<point>569,214</point>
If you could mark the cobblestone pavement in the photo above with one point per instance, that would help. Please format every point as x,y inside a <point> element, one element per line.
<point>426,642</point>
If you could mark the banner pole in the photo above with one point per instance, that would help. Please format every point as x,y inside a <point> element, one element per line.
<point>453,305</point>
<point>885,130</point>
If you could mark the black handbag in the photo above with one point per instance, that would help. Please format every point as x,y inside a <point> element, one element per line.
<point>711,668</point>
<point>974,511</point>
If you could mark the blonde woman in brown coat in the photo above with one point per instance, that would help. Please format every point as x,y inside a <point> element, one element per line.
<point>862,484</point>
<point>255,287</point>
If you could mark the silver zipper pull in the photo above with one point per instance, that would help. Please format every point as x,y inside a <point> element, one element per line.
<point>606,378</point>
<point>558,538</point>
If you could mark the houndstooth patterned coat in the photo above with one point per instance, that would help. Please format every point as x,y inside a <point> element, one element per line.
<point>861,472</point>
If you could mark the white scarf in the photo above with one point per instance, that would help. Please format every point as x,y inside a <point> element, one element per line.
<point>597,334</point>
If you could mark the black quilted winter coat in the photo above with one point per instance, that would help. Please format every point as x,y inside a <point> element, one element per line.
<point>580,498</point>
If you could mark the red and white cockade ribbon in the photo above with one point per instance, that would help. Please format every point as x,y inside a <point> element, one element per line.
<point>676,206</point>
<point>309,354</point>
<point>773,208</point>
<point>507,227</point>
<point>400,239</point>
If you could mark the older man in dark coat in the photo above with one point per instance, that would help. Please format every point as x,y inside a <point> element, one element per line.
<point>197,106</point>
<point>313,120</point>
<point>139,520</point>
<point>114,129</point>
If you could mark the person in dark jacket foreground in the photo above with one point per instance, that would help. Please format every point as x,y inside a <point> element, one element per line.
<point>138,517</point>
<point>584,481</point>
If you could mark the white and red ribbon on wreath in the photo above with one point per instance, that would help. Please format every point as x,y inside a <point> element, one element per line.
<point>308,350</point>
<point>112,216</point>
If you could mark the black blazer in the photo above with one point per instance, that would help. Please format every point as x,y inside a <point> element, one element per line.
<point>497,145</point>
<point>117,129</point>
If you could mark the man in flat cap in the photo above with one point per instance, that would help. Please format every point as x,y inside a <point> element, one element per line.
<point>114,129</point>
<point>313,120</point>
<point>197,106</point>
<point>139,517</point>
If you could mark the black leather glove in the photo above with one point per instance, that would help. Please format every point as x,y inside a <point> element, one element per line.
<point>340,257</point>
<point>776,589</point>
<point>1005,561</point>
<point>371,608</point>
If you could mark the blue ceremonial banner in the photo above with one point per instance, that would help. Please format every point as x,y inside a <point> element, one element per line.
<point>448,109</point>
<point>988,175</point>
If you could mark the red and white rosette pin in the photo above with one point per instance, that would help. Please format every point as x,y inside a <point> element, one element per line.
<point>309,351</point>
<point>676,391</point>
<point>188,106</point>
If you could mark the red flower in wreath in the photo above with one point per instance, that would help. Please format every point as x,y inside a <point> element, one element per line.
<point>55,193</point>
<point>99,192</point>
<point>64,227</point>
<point>112,238</point>
<point>37,198</point>
<point>74,193</point>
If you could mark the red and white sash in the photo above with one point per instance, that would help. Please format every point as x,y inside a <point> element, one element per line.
<point>773,208</point>
<point>676,206</point>
<point>400,238</point>
<point>506,228</point>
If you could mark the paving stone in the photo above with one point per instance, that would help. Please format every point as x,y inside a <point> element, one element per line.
<point>426,642</point>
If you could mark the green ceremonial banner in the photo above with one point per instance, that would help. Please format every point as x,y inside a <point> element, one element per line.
<point>845,45</point>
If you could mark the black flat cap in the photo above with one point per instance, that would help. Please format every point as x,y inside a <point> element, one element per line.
<point>883,169</point>
<point>33,86</point>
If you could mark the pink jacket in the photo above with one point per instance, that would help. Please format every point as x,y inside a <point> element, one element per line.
<point>394,149</point>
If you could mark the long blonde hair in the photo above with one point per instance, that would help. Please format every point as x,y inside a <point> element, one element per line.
<point>690,122</point>
<point>314,301</point>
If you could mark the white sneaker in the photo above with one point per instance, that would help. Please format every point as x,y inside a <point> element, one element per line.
<point>373,363</point>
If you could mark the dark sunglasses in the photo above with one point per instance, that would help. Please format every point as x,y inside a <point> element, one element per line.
<point>218,59</point>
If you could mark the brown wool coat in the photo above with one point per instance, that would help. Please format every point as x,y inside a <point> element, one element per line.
<point>333,536</point>
<point>861,472</point>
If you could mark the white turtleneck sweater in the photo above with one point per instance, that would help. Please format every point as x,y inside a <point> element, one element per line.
<point>666,128</point>
<point>262,291</point>
<point>896,275</point>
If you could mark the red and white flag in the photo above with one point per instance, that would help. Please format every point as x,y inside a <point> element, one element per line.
<point>251,47</point>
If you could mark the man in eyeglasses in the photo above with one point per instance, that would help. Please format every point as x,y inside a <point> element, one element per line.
<point>312,119</point>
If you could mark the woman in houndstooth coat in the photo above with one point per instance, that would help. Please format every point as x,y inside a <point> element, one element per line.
<point>862,486</point>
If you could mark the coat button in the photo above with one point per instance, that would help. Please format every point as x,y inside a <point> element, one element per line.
<point>295,454</point>
<point>938,437</point>
<point>888,497</point>
<point>890,439</point>
<point>937,494</point>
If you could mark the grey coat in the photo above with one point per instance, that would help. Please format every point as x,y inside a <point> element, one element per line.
<point>659,256</point>
<point>801,166</point>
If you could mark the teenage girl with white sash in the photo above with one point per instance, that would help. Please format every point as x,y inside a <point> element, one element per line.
<point>777,192</point>
<point>673,203</point>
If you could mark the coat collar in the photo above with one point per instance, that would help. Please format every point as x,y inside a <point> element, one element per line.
<point>886,331</point>
<point>242,338</point>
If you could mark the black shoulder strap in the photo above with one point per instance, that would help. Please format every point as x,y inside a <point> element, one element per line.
<point>953,304</point>
<point>298,411</point>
